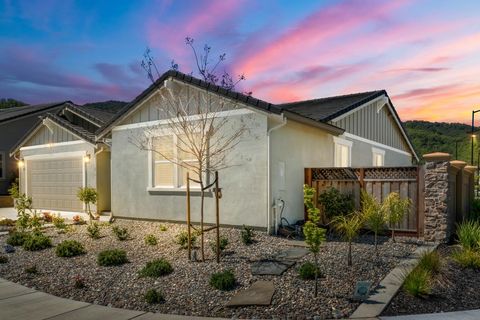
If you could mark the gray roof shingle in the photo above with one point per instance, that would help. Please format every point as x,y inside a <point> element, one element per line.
<point>18,112</point>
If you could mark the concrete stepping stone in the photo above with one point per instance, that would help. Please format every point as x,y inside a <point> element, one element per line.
<point>259,294</point>
<point>270,267</point>
<point>295,253</point>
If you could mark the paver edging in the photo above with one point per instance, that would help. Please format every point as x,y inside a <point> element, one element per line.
<point>389,286</point>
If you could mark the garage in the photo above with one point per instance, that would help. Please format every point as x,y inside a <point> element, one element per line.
<point>53,183</point>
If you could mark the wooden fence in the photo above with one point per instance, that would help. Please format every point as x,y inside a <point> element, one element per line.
<point>378,181</point>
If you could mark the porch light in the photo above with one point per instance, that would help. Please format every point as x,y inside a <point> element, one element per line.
<point>49,144</point>
<point>86,159</point>
<point>21,164</point>
<point>474,135</point>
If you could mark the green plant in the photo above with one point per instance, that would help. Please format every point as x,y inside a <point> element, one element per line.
<point>14,190</point>
<point>69,248</point>
<point>113,257</point>
<point>468,234</point>
<point>182,239</point>
<point>224,280</point>
<point>163,227</point>
<point>430,261</point>
<point>7,222</point>
<point>34,222</point>
<point>247,235</point>
<point>36,242</point>
<point>151,240</point>
<point>395,209</point>
<point>418,282</point>
<point>307,271</point>
<point>156,268</point>
<point>77,219</point>
<point>467,258</point>
<point>31,270</point>
<point>222,245</point>
<point>24,209</point>
<point>153,296</point>
<point>3,259</point>
<point>373,214</point>
<point>335,203</point>
<point>88,196</point>
<point>93,230</point>
<point>59,222</point>
<point>17,238</point>
<point>120,232</point>
<point>348,227</point>
<point>47,217</point>
<point>314,235</point>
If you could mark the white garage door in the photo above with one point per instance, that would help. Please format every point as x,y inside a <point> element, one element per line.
<point>53,184</point>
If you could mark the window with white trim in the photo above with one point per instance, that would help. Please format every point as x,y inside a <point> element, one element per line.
<point>2,165</point>
<point>342,152</point>
<point>378,157</point>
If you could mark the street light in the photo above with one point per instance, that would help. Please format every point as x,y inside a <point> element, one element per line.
<point>473,134</point>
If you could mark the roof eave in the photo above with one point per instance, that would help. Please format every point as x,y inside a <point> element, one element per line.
<point>314,123</point>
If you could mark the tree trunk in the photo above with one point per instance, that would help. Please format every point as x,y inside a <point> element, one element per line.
<point>349,253</point>
<point>202,198</point>
<point>393,235</point>
<point>376,242</point>
<point>316,274</point>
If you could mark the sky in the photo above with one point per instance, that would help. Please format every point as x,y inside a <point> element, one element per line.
<point>425,53</point>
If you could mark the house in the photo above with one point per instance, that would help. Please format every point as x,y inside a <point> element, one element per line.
<point>361,129</point>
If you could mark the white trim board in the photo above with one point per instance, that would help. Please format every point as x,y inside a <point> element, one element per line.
<point>52,145</point>
<point>83,117</point>
<point>378,144</point>
<point>58,155</point>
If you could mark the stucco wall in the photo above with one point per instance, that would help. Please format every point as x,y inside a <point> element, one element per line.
<point>243,183</point>
<point>362,155</point>
<point>103,181</point>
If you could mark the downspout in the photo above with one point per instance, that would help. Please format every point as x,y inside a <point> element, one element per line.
<point>278,126</point>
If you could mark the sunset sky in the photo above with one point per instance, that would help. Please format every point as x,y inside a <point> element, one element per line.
<point>426,54</point>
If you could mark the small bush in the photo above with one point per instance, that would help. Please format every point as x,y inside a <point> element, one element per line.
<point>335,203</point>
<point>417,283</point>
<point>7,223</point>
<point>223,244</point>
<point>59,222</point>
<point>69,248</point>
<point>151,240</point>
<point>182,239</point>
<point>468,258</point>
<point>113,257</point>
<point>430,261</point>
<point>17,238</point>
<point>156,268</point>
<point>78,282</point>
<point>469,234</point>
<point>153,296</point>
<point>31,270</point>
<point>121,233</point>
<point>3,259</point>
<point>163,227</point>
<point>223,280</point>
<point>307,271</point>
<point>77,219</point>
<point>247,235</point>
<point>93,230</point>
<point>36,242</point>
<point>47,217</point>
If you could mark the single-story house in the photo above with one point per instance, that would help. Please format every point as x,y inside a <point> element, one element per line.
<point>357,130</point>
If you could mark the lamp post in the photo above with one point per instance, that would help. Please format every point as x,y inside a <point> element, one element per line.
<point>473,134</point>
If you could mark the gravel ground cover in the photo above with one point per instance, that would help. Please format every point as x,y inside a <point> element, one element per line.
<point>187,290</point>
<point>454,289</point>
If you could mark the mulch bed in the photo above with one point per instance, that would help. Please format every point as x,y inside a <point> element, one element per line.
<point>454,289</point>
<point>187,290</point>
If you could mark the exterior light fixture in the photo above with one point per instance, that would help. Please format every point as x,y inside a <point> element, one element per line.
<point>49,144</point>
<point>21,163</point>
<point>474,135</point>
<point>86,159</point>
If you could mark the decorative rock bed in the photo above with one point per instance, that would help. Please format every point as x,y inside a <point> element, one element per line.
<point>187,290</point>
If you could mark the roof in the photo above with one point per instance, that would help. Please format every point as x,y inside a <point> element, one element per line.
<point>18,112</point>
<point>75,129</point>
<point>99,112</point>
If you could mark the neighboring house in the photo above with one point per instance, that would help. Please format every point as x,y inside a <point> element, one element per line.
<point>267,165</point>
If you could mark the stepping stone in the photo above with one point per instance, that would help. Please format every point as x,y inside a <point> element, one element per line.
<point>259,294</point>
<point>295,253</point>
<point>270,267</point>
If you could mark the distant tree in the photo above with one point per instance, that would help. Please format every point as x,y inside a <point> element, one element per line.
<point>10,103</point>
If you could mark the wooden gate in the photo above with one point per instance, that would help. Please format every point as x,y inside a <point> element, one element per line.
<point>378,181</point>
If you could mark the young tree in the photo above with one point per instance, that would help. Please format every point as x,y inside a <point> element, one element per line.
<point>373,214</point>
<point>395,208</point>
<point>348,227</point>
<point>314,235</point>
<point>88,196</point>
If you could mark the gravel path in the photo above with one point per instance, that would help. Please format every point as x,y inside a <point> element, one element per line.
<point>454,289</point>
<point>187,290</point>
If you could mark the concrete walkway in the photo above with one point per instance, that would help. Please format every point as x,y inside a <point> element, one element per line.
<point>21,303</point>
<point>458,315</point>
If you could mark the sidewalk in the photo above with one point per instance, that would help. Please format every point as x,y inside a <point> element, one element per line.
<point>458,315</point>
<point>21,303</point>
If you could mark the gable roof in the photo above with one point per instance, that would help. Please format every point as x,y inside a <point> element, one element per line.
<point>18,112</point>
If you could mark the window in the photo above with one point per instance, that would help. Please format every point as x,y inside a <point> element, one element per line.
<point>378,157</point>
<point>170,153</point>
<point>342,152</point>
<point>2,165</point>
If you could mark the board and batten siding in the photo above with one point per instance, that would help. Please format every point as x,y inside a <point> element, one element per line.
<point>45,136</point>
<point>374,122</point>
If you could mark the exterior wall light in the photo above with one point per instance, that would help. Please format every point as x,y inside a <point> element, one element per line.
<point>86,159</point>
<point>21,163</point>
<point>49,144</point>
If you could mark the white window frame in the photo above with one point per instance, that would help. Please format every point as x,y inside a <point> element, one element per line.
<point>345,143</point>
<point>3,164</point>
<point>378,152</point>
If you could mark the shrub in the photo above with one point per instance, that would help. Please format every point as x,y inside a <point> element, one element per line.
<point>163,227</point>
<point>3,259</point>
<point>153,296</point>
<point>17,238</point>
<point>223,244</point>
<point>247,235</point>
<point>395,209</point>
<point>78,282</point>
<point>182,239</point>
<point>335,203</point>
<point>468,233</point>
<point>93,230</point>
<point>31,270</point>
<point>156,268</point>
<point>35,222</point>
<point>121,233</point>
<point>59,222</point>
<point>151,240</point>
<point>7,223</point>
<point>112,257</point>
<point>69,248</point>
<point>77,219</point>
<point>223,280</point>
<point>36,242</point>
<point>14,189</point>
<point>88,196</point>
<point>307,271</point>
<point>417,283</point>
<point>430,261</point>
<point>467,258</point>
<point>47,217</point>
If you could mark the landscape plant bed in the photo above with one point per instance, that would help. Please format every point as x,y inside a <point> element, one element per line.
<point>454,289</point>
<point>186,290</point>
